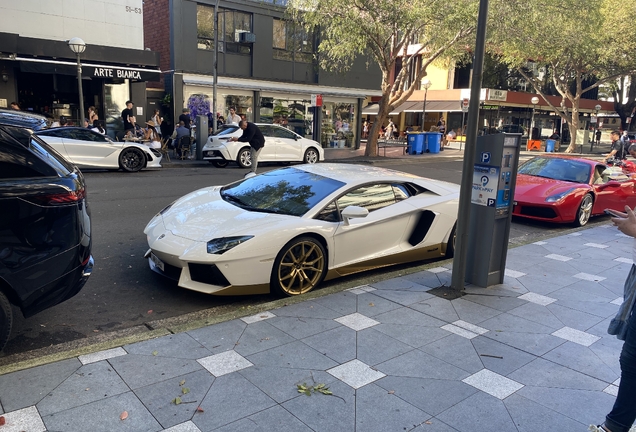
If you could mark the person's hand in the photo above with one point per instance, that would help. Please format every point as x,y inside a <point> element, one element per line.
<point>627,224</point>
<point>234,139</point>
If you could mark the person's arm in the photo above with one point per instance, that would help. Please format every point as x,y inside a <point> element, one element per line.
<point>248,134</point>
<point>627,224</point>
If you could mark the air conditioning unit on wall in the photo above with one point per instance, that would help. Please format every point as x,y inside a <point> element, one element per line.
<point>243,36</point>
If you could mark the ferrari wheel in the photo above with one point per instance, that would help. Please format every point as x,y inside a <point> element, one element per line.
<point>6,320</point>
<point>219,164</point>
<point>450,246</point>
<point>299,267</point>
<point>244,158</point>
<point>311,156</point>
<point>132,159</point>
<point>585,210</point>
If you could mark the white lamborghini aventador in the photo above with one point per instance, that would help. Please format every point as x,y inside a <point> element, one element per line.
<point>289,229</point>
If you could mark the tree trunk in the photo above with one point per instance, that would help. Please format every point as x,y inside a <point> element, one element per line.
<point>372,141</point>
<point>573,126</point>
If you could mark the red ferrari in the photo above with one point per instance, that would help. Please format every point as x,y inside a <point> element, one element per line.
<point>570,189</point>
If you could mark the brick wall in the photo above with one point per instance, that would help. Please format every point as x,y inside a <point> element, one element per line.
<point>157,34</point>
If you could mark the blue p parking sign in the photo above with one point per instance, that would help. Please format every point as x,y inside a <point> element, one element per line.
<point>485,157</point>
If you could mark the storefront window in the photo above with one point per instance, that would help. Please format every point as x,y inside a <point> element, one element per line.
<point>339,122</point>
<point>292,113</point>
<point>115,97</point>
<point>201,96</point>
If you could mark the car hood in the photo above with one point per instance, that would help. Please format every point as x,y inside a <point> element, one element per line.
<point>529,186</point>
<point>203,215</point>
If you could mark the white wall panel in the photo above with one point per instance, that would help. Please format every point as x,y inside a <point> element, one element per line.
<point>116,23</point>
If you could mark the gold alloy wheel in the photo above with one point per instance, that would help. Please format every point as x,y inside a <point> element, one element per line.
<point>300,267</point>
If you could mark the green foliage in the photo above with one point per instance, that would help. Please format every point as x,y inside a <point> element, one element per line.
<point>577,41</point>
<point>317,388</point>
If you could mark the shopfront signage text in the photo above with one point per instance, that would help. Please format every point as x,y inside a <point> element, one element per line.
<point>500,95</point>
<point>116,73</point>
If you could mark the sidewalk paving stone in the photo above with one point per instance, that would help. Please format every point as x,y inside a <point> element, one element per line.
<point>412,361</point>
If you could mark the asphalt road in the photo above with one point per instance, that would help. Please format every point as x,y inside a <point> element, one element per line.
<point>124,293</point>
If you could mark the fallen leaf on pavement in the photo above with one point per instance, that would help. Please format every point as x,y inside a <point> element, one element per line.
<point>391,391</point>
<point>200,410</point>
<point>2,421</point>
<point>123,416</point>
<point>182,383</point>
<point>150,311</point>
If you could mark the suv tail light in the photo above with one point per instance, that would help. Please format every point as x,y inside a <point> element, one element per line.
<point>69,197</point>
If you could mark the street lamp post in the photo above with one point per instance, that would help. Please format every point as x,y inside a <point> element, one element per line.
<point>78,46</point>
<point>535,101</point>
<point>597,108</point>
<point>426,84</point>
<point>216,58</point>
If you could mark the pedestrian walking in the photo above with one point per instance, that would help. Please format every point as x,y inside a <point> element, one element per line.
<point>252,135</point>
<point>598,136</point>
<point>623,414</point>
<point>233,117</point>
<point>388,131</point>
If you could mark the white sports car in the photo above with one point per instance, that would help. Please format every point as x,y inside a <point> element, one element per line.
<point>290,228</point>
<point>88,149</point>
<point>281,145</point>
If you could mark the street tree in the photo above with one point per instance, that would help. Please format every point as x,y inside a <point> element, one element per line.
<point>581,43</point>
<point>381,31</point>
<point>623,91</point>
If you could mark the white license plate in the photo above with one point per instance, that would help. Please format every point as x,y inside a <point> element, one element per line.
<point>156,261</point>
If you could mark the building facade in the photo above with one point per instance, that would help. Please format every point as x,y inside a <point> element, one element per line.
<point>266,67</point>
<point>39,70</point>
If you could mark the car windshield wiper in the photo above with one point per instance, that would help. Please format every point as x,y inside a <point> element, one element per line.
<point>237,201</point>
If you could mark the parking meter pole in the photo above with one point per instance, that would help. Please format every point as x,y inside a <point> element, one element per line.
<point>463,219</point>
<point>201,135</point>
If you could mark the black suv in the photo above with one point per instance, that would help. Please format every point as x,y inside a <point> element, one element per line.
<point>45,225</point>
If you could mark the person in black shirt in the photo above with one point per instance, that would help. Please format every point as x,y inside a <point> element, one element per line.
<point>252,135</point>
<point>618,149</point>
<point>185,118</point>
<point>128,116</point>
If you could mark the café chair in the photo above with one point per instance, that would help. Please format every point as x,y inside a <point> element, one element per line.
<point>183,148</point>
<point>165,149</point>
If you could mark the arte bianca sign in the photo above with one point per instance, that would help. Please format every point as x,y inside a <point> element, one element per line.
<point>116,73</point>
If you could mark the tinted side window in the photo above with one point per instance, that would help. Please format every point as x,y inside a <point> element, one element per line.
<point>280,132</point>
<point>371,197</point>
<point>52,132</point>
<point>17,162</point>
<point>329,213</point>
<point>266,131</point>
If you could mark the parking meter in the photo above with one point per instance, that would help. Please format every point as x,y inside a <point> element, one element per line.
<point>492,199</point>
<point>201,134</point>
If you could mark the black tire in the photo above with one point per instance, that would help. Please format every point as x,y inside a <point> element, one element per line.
<point>311,156</point>
<point>6,320</point>
<point>219,164</point>
<point>132,159</point>
<point>299,267</point>
<point>584,212</point>
<point>244,158</point>
<point>450,246</point>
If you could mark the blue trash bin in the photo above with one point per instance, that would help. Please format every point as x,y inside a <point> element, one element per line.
<point>433,142</point>
<point>549,145</point>
<point>415,144</point>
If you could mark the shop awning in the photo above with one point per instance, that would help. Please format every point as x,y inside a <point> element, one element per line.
<point>274,86</point>
<point>90,70</point>
<point>372,109</point>
<point>436,106</point>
